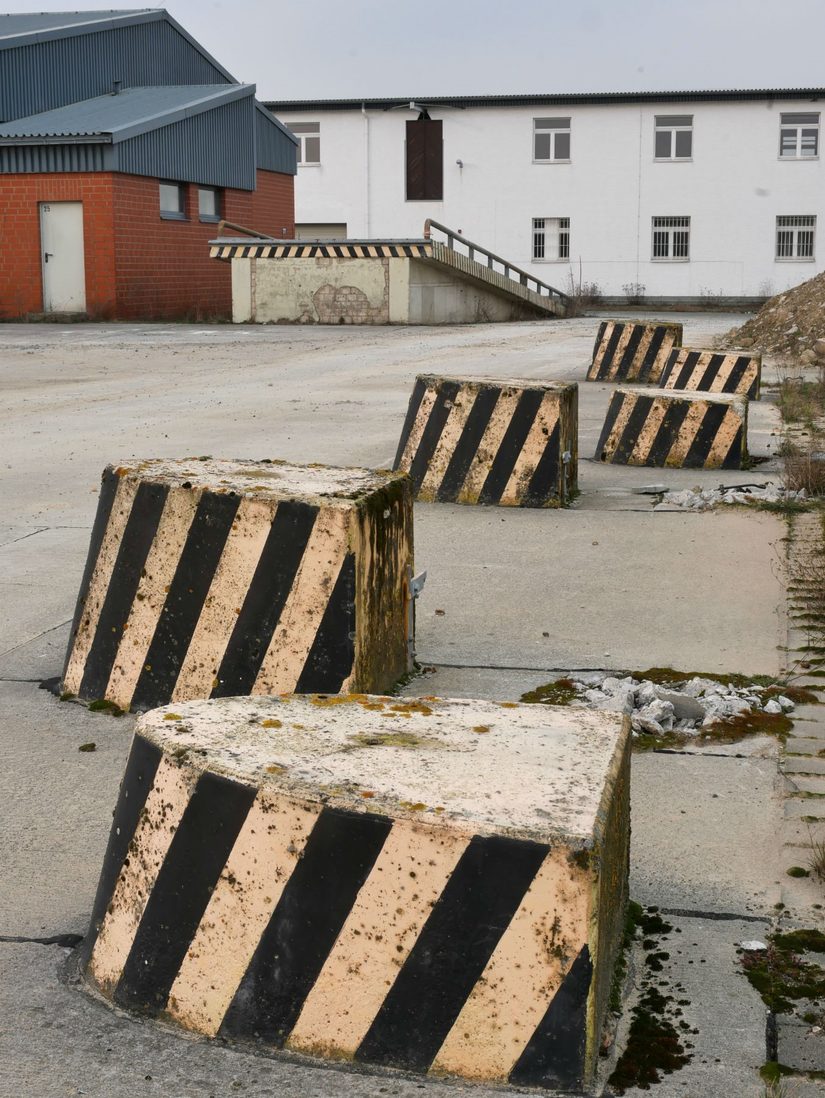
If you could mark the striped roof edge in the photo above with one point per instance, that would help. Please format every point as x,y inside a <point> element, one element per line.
<point>24,29</point>
<point>131,112</point>
<point>461,102</point>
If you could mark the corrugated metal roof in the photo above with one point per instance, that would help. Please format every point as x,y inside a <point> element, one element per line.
<point>25,25</point>
<point>125,115</point>
<point>542,99</point>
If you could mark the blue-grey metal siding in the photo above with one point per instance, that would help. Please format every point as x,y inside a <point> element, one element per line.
<point>50,74</point>
<point>216,148</point>
<point>276,153</point>
<point>55,158</point>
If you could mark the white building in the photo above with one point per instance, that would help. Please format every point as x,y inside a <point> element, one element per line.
<point>673,195</point>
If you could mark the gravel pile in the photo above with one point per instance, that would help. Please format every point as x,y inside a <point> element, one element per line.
<point>790,324</point>
<point>655,709</point>
<point>702,499</point>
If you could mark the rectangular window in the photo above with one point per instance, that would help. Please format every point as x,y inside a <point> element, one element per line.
<point>309,138</point>
<point>671,238</point>
<point>799,136</point>
<point>172,201</point>
<point>551,238</point>
<point>551,140</point>
<point>673,137</point>
<point>209,204</point>
<point>795,237</point>
<point>425,160</point>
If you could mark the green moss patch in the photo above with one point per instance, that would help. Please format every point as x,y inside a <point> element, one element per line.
<point>101,705</point>
<point>558,692</point>
<point>781,976</point>
<point>667,676</point>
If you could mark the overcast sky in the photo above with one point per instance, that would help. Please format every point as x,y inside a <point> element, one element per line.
<point>352,48</point>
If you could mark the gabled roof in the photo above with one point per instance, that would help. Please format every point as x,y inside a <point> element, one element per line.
<point>24,29</point>
<point>114,118</point>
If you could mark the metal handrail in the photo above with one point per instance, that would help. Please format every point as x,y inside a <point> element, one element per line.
<point>524,278</point>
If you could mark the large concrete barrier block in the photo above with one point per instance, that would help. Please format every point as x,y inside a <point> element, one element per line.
<point>491,441</point>
<point>737,372</point>
<point>210,578</point>
<point>679,430</point>
<point>431,885</point>
<point>630,351</point>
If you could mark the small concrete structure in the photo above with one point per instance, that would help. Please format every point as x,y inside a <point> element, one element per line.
<point>489,441</point>
<point>713,372</point>
<point>209,578</point>
<point>433,885</point>
<point>676,430</point>
<point>631,351</point>
<point>373,282</point>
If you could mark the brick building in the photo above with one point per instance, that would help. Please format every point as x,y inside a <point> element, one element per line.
<point>122,144</point>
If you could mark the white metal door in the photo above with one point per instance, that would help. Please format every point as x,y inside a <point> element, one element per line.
<point>64,272</point>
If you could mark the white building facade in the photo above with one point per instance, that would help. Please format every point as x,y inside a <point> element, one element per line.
<point>699,196</point>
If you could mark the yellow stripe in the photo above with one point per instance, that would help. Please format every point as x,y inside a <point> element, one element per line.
<point>450,436</point>
<point>417,430</point>
<point>489,446</point>
<point>687,433</point>
<point>724,438</point>
<point>647,435</point>
<point>619,425</point>
<point>531,452</point>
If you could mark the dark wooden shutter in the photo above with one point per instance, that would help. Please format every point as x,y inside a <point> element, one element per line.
<point>425,159</point>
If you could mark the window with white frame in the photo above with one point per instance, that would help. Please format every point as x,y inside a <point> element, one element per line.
<point>551,140</point>
<point>671,238</point>
<point>795,236</point>
<point>673,137</point>
<point>551,238</point>
<point>309,138</point>
<point>799,136</point>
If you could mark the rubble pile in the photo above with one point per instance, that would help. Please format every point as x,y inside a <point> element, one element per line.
<point>791,324</point>
<point>688,708</point>
<point>703,499</point>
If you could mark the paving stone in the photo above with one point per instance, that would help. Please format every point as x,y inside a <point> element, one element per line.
<point>800,1047</point>
<point>807,764</point>
<point>802,783</point>
<point>798,745</point>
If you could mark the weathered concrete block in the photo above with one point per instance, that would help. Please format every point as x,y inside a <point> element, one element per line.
<point>629,351</point>
<point>678,430</point>
<point>209,578</point>
<point>491,441</point>
<point>712,372</point>
<point>434,885</point>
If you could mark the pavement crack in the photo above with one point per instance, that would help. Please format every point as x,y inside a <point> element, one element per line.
<point>32,534</point>
<point>716,916</point>
<point>67,941</point>
<point>31,640</point>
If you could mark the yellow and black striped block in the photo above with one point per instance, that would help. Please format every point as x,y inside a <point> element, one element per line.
<point>437,886</point>
<point>209,578</point>
<point>675,430</point>
<point>737,372</point>
<point>628,351</point>
<point>491,441</point>
<point>343,250</point>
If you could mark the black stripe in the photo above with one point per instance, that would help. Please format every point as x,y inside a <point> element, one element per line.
<point>625,366</point>
<point>630,435</point>
<point>108,489</point>
<point>318,897</point>
<point>737,373</point>
<point>670,365</point>
<point>511,446</point>
<point>614,408</point>
<point>598,343</point>
<point>265,599</point>
<point>339,251</point>
<point>192,867</point>
<point>733,458</point>
<point>685,374</point>
<point>700,447</point>
<point>651,354</point>
<point>609,351</point>
<point>134,789</point>
<point>446,393</point>
<point>467,446</point>
<point>546,481</point>
<point>451,952</point>
<point>419,389</point>
<point>184,603</point>
<point>141,528</point>
<point>331,657</point>
<point>668,432</point>
<point>709,375</point>
<point>555,1054</point>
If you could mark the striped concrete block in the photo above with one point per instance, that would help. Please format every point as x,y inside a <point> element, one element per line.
<point>676,430</point>
<point>431,885</point>
<point>210,578</point>
<point>488,441</point>
<point>712,372</point>
<point>628,351</point>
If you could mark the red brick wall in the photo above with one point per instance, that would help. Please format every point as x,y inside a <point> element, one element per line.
<point>137,264</point>
<point>21,285</point>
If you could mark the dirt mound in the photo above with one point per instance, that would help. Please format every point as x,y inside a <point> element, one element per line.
<point>787,325</point>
